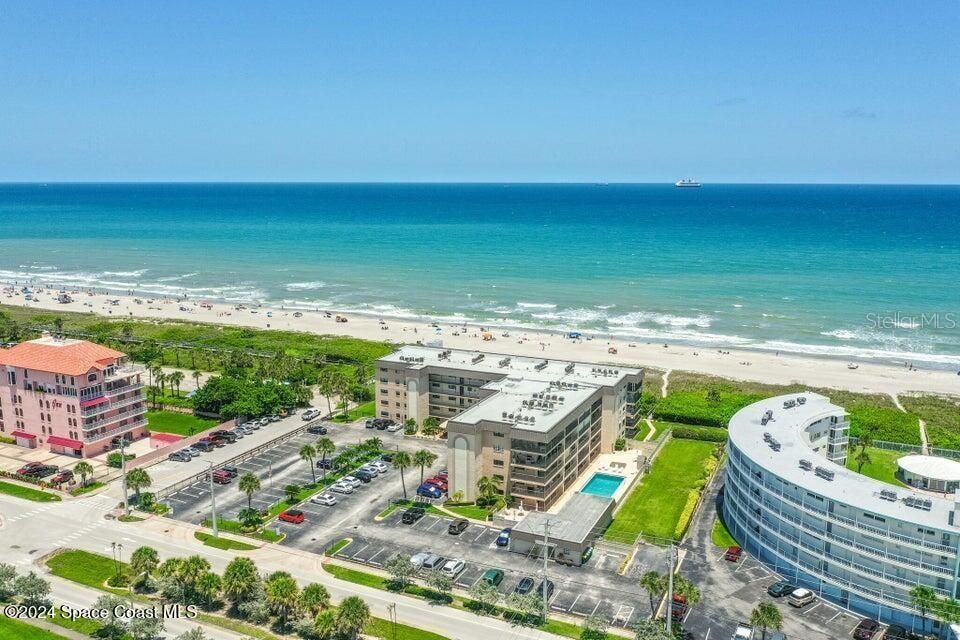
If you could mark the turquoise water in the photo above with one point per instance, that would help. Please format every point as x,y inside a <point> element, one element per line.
<point>602,484</point>
<point>870,272</point>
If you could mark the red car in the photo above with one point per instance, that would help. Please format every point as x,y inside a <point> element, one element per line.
<point>439,483</point>
<point>733,554</point>
<point>221,477</point>
<point>27,468</point>
<point>292,515</point>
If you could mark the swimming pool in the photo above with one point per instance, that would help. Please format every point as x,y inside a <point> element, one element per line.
<point>603,484</point>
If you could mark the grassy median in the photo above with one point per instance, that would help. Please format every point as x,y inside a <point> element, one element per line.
<point>27,493</point>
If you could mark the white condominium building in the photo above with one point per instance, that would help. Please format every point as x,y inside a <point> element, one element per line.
<point>536,424</point>
<point>789,500</point>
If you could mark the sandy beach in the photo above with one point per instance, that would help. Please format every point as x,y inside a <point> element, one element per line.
<point>741,365</point>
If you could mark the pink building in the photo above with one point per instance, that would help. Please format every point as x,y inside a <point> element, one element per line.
<point>71,396</point>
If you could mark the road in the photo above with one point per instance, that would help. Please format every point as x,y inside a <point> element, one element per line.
<point>30,530</point>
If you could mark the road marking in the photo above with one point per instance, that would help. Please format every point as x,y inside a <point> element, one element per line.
<point>575,600</point>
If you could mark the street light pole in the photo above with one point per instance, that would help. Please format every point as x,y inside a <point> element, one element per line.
<point>213,503</point>
<point>546,557</point>
<point>670,590</point>
<point>392,608</point>
<point>123,472</point>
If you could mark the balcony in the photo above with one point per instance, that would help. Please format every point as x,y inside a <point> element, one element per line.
<point>117,391</point>
<point>125,371</point>
<point>89,437</point>
<point>120,415</point>
<point>106,406</point>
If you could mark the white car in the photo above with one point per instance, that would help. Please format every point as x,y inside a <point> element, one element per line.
<point>252,425</point>
<point>350,480</point>
<point>373,471</point>
<point>341,488</point>
<point>417,559</point>
<point>453,568</point>
<point>378,465</point>
<point>326,499</point>
<point>395,427</point>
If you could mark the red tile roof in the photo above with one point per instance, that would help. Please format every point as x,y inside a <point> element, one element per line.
<point>69,357</point>
<point>65,442</point>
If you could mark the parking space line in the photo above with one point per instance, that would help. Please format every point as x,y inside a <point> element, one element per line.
<point>575,600</point>
<point>483,530</point>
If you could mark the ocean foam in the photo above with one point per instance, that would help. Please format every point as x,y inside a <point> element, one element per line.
<point>304,286</point>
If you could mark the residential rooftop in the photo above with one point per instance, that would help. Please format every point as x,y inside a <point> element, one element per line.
<point>577,521</point>
<point>56,355</point>
<point>532,393</point>
<point>787,428</point>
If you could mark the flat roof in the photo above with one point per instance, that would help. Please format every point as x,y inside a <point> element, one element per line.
<point>931,467</point>
<point>575,522</point>
<point>534,393</point>
<point>848,487</point>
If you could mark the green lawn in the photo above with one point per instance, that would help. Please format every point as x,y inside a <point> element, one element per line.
<point>942,416</point>
<point>336,546</point>
<point>89,569</point>
<point>232,526</point>
<point>15,630</point>
<point>27,493</point>
<point>720,536</point>
<point>222,543</point>
<point>882,465</point>
<point>468,511</point>
<point>655,506</point>
<point>90,486</point>
<point>365,410</point>
<point>642,430</point>
<point>181,424</point>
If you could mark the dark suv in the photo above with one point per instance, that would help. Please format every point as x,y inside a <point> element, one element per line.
<point>458,526</point>
<point>867,629</point>
<point>412,514</point>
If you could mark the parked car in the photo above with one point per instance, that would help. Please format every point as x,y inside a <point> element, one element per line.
<point>42,471</point>
<point>679,608</point>
<point>525,586</point>
<point>492,576</point>
<point>203,446</point>
<point>180,456</point>
<point>370,423</point>
<point>504,538</point>
<point>453,568</point>
<point>744,632</point>
<point>63,476</point>
<point>362,475</point>
<point>274,418</point>
<point>546,586</point>
<point>867,629</point>
<point>340,487</point>
<point>222,477</point>
<point>378,465</point>
<point>192,450</point>
<point>733,554</point>
<point>229,436</point>
<point>458,526</point>
<point>292,515</point>
<point>896,632</point>
<point>350,480</point>
<point>317,430</point>
<point>326,499</point>
<point>395,427</point>
<point>371,471</point>
<point>429,491</point>
<point>232,470</point>
<point>27,468</point>
<point>412,514</point>
<point>439,483</point>
<point>386,457</point>
<point>264,421</point>
<point>253,425</point>
<point>780,589</point>
<point>325,463</point>
<point>433,561</point>
<point>418,559</point>
<point>309,414</point>
<point>801,597</point>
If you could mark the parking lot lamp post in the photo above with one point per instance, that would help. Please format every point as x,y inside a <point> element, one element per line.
<point>546,557</point>
<point>213,503</point>
<point>672,551</point>
<point>123,473</point>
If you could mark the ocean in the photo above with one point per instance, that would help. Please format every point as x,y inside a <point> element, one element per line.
<point>857,272</point>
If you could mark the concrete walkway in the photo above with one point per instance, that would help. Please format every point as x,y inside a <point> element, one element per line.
<point>666,381</point>
<point>924,447</point>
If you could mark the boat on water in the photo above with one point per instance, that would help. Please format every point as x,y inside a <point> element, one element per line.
<point>686,183</point>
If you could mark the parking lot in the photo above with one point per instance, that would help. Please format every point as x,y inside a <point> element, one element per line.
<point>731,590</point>
<point>594,589</point>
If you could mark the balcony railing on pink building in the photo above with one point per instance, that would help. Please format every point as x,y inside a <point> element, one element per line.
<point>93,437</point>
<point>106,406</point>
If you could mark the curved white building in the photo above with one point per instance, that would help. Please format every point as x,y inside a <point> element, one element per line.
<point>790,501</point>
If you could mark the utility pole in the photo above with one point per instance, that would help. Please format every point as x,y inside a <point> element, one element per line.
<point>546,557</point>
<point>213,502</point>
<point>392,608</point>
<point>123,472</point>
<point>670,590</point>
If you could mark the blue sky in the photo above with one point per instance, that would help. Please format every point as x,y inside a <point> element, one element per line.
<point>453,91</point>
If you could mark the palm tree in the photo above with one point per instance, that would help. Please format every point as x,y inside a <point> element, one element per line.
<point>307,453</point>
<point>488,487</point>
<point>83,469</point>
<point>342,385</point>
<point>685,588</point>
<point>315,598</point>
<point>325,447</point>
<point>144,561</point>
<point>175,379</point>
<point>283,595</point>
<point>249,484</point>
<point>325,624</point>
<point>654,584</point>
<point>196,377</point>
<point>352,617</point>
<point>138,479</point>
<point>650,630</point>
<point>208,587</point>
<point>766,615</point>
<point>161,379</point>
<point>402,460</point>
<point>240,579</point>
<point>923,598</point>
<point>862,457</point>
<point>424,458</point>
<point>326,387</point>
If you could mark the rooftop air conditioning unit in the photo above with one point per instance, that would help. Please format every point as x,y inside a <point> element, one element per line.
<point>789,404</point>
<point>569,368</point>
<point>806,464</point>
<point>477,358</point>
<point>802,400</point>
<point>888,495</point>
<point>504,362</point>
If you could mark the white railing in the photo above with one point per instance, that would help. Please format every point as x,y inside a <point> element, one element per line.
<point>114,432</point>
<point>106,406</point>
<point>119,390</point>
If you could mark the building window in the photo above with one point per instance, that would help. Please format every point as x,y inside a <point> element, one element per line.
<point>497,434</point>
<point>498,463</point>
<point>498,448</point>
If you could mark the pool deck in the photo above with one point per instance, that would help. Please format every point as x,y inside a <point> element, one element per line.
<point>624,464</point>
